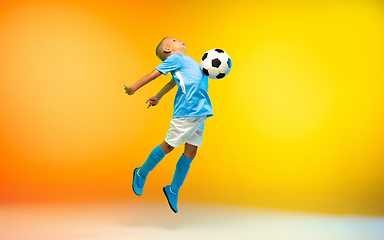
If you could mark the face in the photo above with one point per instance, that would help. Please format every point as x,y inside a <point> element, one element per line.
<point>174,45</point>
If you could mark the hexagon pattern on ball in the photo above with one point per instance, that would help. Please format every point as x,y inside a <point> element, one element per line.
<point>216,64</point>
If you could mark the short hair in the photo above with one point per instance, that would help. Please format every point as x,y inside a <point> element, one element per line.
<point>158,54</point>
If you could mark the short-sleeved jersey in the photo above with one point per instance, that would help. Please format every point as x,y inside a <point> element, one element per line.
<point>191,98</point>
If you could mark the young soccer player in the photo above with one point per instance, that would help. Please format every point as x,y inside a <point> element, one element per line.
<point>191,108</point>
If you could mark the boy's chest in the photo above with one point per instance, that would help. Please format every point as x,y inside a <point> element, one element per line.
<point>190,73</point>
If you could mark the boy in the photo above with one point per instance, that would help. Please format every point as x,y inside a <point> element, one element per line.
<point>191,107</point>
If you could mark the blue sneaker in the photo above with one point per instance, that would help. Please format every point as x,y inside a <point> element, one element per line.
<point>138,182</point>
<point>171,197</point>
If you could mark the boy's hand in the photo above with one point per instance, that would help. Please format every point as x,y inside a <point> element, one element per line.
<point>153,101</point>
<point>128,90</point>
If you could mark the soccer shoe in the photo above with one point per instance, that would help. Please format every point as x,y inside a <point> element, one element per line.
<point>171,197</point>
<point>138,182</point>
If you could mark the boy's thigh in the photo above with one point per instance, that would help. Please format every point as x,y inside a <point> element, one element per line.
<point>196,138</point>
<point>182,129</point>
<point>190,151</point>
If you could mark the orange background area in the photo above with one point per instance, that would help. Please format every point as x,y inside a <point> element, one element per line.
<point>298,123</point>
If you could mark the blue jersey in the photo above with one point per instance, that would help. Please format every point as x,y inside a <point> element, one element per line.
<point>192,98</point>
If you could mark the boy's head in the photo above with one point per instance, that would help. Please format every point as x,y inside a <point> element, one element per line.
<point>169,46</point>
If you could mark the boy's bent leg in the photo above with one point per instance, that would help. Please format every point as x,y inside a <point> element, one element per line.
<point>182,168</point>
<point>140,174</point>
<point>172,191</point>
<point>153,159</point>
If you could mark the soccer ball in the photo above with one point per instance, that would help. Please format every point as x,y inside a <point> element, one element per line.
<point>216,64</point>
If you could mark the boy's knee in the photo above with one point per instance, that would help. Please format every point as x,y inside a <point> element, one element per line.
<point>190,151</point>
<point>190,155</point>
<point>166,147</point>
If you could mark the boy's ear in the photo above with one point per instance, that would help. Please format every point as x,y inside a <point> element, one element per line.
<point>167,50</point>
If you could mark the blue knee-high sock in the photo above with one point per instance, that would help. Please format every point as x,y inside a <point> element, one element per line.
<point>153,159</point>
<point>182,168</point>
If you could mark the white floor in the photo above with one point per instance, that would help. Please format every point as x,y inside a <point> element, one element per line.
<point>154,220</point>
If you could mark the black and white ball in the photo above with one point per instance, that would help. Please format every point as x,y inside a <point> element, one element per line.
<point>216,64</point>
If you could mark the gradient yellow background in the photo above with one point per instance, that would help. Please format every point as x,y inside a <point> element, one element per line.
<point>298,123</point>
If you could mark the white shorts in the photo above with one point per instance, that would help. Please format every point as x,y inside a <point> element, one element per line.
<point>186,130</point>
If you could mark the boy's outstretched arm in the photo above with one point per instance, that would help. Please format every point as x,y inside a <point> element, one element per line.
<point>153,101</point>
<point>144,80</point>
